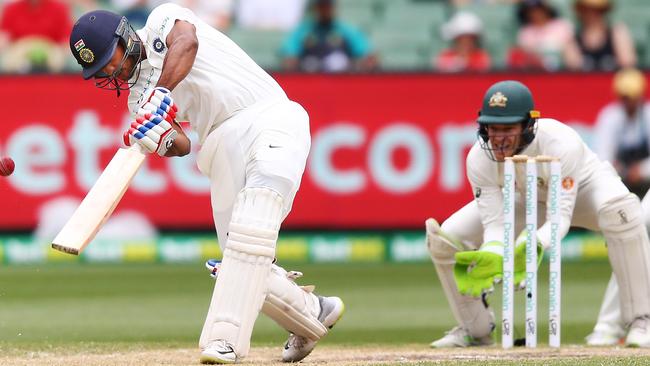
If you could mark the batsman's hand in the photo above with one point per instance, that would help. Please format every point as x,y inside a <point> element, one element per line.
<point>152,132</point>
<point>520,259</point>
<point>476,271</point>
<point>213,265</point>
<point>158,101</point>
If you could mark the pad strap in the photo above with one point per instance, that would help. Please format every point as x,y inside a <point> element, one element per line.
<point>293,307</point>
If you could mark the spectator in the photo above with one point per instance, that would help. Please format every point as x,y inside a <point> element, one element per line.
<point>542,38</point>
<point>623,131</point>
<point>461,3</point>
<point>464,30</point>
<point>136,11</point>
<point>81,6</point>
<point>323,43</point>
<point>264,14</point>
<point>598,44</point>
<point>216,13</point>
<point>34,35</point>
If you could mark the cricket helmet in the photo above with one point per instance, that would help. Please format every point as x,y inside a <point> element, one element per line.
<point>93,41</point>
<point>508,102</point>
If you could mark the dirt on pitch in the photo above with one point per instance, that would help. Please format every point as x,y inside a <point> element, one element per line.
<point>326,355</point>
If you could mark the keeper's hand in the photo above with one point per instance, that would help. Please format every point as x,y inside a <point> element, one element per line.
<point>153,133</point>
<point>476,271</point>
<point>520,259</point>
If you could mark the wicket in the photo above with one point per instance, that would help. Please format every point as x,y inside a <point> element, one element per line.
<point>555,252</point>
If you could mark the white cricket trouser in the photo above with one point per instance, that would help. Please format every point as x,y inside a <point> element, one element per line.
<point>265,145</point>
<point>610,320</point>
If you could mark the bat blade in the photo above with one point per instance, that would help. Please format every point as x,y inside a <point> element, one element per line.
<point>100,201</point>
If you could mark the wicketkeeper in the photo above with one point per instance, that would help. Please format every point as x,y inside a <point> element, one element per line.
<point>467,249</point>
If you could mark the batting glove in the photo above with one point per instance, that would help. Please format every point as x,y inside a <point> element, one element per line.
<point>213,266</point>
<point>152,132</point>
<point>159,101</point>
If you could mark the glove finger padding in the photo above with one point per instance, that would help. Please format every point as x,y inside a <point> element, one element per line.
<point>162,95</point>
<point>147,131</point>
<point>165,102</point>
<point>481,264</point>
<point>468,285</point>
<point>154,134</point>
<point>164,111</point>
<point>159,101</point>
<point>133,135</point>
<point>155,123</point>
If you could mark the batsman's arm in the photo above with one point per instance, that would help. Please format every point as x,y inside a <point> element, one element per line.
<point>182,46</point>
<point>182,144</point>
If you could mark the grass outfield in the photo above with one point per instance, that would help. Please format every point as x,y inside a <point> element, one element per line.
<point>138,307</point>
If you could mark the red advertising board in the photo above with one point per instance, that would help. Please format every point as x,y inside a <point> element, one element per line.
<point>388,151</point>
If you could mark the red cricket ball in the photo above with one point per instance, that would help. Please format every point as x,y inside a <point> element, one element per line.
<point>6,166</point>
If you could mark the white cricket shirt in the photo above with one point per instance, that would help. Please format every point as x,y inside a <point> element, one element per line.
<point>223,79</point>
<point>553,138</point>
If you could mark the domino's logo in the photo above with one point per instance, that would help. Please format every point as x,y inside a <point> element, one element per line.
<point>158,45</point>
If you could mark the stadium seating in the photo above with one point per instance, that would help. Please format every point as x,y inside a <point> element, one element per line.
<point>262,45</point>
<point>406,33</point>
<point>499,29</point>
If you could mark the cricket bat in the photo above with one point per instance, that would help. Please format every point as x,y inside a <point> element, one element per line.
<point>100,201</point>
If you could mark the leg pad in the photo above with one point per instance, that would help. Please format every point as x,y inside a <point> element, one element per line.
<point>243,278</point>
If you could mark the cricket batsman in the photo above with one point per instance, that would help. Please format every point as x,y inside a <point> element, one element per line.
<point>467,249</point>
<point>254,146</point>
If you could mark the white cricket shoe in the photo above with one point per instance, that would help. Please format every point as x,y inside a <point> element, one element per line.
<point>459,337</point>
<point>298,347</point>
<point>218,352</point>
<point>639,333</point>
<point>604,339</point>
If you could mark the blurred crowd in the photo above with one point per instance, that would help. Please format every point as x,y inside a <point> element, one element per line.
<point>323,36</point>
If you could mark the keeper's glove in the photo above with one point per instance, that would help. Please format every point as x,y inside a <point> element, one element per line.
<point>520,259</point>
<point>476,271</point>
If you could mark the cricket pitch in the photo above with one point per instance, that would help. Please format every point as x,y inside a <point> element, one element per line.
<point>338,355</point>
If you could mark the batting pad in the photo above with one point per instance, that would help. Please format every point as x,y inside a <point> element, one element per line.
<point>293,307</point>
<point>623,226</point>
<point>243,277</point>
<point>470,312</point>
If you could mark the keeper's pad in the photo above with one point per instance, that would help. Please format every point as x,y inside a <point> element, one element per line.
<point>243,277</point>
<point>293,307</point>
<point>622,224</point>
<point>470,312</point>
